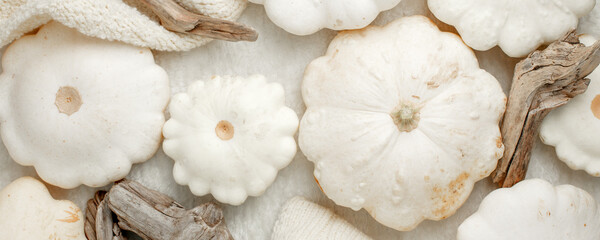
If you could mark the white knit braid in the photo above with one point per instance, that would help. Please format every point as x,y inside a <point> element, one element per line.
<point>122,20</point>
<point>301,219</point>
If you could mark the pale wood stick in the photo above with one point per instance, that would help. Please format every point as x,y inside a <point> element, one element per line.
<point>155,216</point>
<point>99,224</point>
<point>544,80</point>
<point>177,19</point>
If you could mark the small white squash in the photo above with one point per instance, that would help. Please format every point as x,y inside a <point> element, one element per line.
<point>28,212</point>
<point>517,26</point>
<point>229,136</point>
<point>304,17</point>
<point>79,109</point>
<point>534,210</point>
<point>400,121</point>
<point>574,129</point>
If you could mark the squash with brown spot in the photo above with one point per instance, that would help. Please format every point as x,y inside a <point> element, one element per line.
<point>400,121</point>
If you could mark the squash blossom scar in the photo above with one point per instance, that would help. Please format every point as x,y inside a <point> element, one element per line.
<point>68,100</point>
<point>595,106</point>
<point>224,130</point>
<point>406,116</point>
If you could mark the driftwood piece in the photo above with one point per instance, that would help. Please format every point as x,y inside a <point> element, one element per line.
<point>99,224</point>
<point>544,80</point>
<point>177,19</point>
<point>90,215</point>
<point>155,216</point>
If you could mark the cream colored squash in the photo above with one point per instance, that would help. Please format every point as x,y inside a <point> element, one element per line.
<point>517,26</point>
<point>79,109</point>
<point>574,129</point>
<point>304,17</point>
<point>229,136</point>
<point>400,121</point>
<point>29,212</point>
<point>534,210</point>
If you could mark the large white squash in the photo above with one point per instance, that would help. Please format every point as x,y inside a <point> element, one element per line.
<point>534,210</point>
<point>400,121</point>
<point>81,110</point>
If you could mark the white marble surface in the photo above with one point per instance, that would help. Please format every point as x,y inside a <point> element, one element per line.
<point>282,57</point>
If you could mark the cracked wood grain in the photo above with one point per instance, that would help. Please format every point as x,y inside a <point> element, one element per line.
<point>129,206</point>
<point>543,81</point>
<point>155,216</point>
<point>99,220</point>
<point>177,19</point>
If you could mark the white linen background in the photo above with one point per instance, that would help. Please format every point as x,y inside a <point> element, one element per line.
<point>282,57</point>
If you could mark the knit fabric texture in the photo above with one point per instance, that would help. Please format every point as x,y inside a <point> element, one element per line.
<point>123,20</point>
<point>302,219</point>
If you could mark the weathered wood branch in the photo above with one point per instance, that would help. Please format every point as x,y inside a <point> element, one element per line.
<point>177,19</point>
<point>543,81</point>
<point>99,224</point>
<point>155,216</point>
<point>90,215</point>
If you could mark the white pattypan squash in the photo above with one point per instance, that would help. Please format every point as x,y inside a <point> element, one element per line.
<point>304,17</point>
<point>229,136</point>
<point>517,26</point>
<point>79,109</point>
<point>400,121</point>
<point>534,210</point>
<point>28,212</point>
<point>574,129</point>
